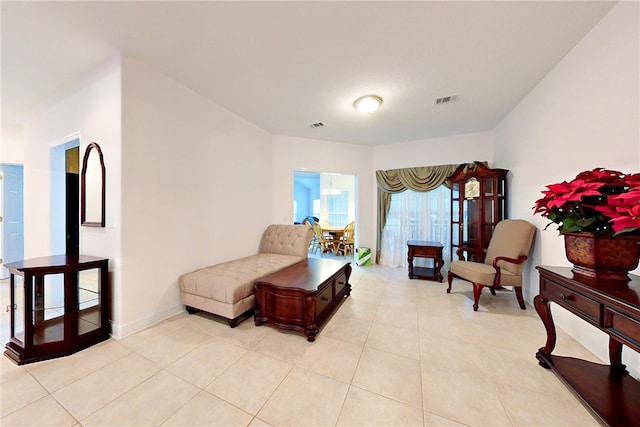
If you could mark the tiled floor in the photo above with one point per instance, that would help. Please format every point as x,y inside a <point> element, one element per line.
<point>398,352</point>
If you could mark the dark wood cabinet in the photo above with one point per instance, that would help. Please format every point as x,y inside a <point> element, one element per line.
<point>607,390</point>
<point>59,305</point>
<point>478,203</point>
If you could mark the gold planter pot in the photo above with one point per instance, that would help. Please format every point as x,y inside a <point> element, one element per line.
<point>597,256</point>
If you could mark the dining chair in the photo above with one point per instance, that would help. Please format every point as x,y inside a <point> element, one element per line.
<point>322,242</point>
<point>347,241</point>
<point>314,241</point>
<point>503,263</point>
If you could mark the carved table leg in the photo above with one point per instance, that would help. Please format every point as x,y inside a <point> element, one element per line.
<point>615,357</point>
<point>257,317</point>
<point>311,330</point>
<point>542,307</point>
<point>410,262</point>
<point>439,264</point>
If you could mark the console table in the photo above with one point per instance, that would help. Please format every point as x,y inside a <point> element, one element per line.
<point>614,308</point>
<point>59,305</point>
<point>301,297</point>
<point>425,249</point>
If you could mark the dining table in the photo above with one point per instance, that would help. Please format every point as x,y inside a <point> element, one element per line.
<point>336,234</point>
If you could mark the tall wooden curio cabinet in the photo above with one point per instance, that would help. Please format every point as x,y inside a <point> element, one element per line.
<point>478,203</point>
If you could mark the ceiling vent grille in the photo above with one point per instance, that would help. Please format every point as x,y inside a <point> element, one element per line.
<point>316,125</point>
<point>445,99</point>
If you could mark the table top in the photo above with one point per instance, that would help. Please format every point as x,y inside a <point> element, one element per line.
<point>53,262</point>
<point>332,229</point>
<point>424,243</point>
<point>306,275</point>
<point>628,292</point>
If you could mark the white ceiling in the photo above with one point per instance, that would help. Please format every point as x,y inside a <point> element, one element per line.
<point>286,65</point>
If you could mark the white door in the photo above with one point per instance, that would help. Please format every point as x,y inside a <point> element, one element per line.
<point>11,214</point>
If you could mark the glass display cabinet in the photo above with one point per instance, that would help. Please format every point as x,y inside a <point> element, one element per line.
<point>59,305</point>
<point>478,203</point>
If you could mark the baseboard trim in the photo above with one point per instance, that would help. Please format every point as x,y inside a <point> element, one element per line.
<point>122,331</point>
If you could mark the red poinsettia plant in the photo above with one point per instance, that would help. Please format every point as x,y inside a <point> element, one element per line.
<point>599,201</point>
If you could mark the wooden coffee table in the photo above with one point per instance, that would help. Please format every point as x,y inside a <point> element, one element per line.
<point>303,296</point>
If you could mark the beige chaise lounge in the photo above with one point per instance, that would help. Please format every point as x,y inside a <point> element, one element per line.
<point>226,289</point>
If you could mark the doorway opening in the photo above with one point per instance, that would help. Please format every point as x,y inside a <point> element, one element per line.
<point>65,198</point>
<point>329,197</point>
<point>72,207</point>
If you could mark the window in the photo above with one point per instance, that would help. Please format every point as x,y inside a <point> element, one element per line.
<point>416,216</point>
<point>338,209</point>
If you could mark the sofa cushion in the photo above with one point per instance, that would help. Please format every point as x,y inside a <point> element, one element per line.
<point>232,281</point>
<point>483,273</point>
<point>286,239</point>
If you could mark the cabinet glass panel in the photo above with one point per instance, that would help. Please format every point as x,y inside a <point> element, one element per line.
<point>488,212</point>
<point>455,236</point>
<point>18,308</point>
<point>472,222</point>
<point>489,190</point>
<point>88,300</point>
<point>455,211</point>
<point>48,308</point>
<point>455,191</point>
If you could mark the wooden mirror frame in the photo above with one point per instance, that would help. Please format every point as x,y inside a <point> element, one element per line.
<point>99,220</point>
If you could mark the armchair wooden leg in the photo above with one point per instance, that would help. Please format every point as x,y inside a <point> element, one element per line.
<point>449,280</point>
<point>477,289</point>
<point>518,291</point>
<point>492,289</point>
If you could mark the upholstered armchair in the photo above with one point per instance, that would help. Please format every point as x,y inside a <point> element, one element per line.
<point>503,263</point>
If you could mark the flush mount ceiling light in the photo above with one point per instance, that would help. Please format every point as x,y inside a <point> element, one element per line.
<point>367,104</point>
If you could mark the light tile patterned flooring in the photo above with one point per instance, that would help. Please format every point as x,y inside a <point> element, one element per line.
<point>398,352</point>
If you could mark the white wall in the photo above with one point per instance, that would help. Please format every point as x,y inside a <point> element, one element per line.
<point>583,115</point>
<point>437,151</point>
<point>90,110</point>
<point>196,191</point>
<point>12,144</point>
<point>188,183</point>
<point>291,154</point>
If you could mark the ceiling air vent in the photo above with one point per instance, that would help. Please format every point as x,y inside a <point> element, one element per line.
<point>445,99</point>
<point>316,125</point>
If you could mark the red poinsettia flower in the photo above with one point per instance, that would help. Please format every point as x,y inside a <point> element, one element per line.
<point>626,215</point>
<point>633,180</point>
<point>601,175</point>
<point>599,200</point>
<point>628,222</point>
<point>558,195</point>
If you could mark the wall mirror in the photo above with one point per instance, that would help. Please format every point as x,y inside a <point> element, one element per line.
<point>92,209</point>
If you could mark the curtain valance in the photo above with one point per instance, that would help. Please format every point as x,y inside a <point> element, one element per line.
<point>423,178</point>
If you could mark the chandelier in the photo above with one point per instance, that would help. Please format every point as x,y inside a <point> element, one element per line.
<point>330,190</point>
